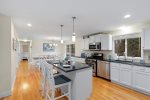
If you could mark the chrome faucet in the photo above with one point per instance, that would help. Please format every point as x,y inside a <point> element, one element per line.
<point>124,54</point>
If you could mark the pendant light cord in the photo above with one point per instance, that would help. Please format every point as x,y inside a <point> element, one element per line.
<point>61,31</point>
<point>73,23</point>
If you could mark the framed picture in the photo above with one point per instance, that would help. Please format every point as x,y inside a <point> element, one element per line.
<point>47,47</point>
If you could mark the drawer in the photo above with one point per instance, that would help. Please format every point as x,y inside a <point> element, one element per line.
<point>126,66</point>
<point>141,69</point>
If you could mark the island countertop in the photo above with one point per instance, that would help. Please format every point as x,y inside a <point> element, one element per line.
<point>75,67</point>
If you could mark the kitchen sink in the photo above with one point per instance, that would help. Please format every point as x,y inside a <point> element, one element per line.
<point>123,61</point>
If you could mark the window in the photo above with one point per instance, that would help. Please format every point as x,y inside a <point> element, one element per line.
<point>130,47</point>
<point>70,48</point>
<point>134,47</point>
<point>120,47</point>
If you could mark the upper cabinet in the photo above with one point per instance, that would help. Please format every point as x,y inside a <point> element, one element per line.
<point>92,39</point>
<point>98,38</point>
<point>106,42</point>
<point>104,39</point>
<point>95,38</point>
<point>86,43</point>
<point>146,37</point>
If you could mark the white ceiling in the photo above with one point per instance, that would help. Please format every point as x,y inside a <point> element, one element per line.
<point>92,16</point>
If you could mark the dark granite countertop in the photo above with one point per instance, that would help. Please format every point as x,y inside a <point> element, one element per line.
<point>129,62</point>
<point>75,67</point>
<point>78,57</point>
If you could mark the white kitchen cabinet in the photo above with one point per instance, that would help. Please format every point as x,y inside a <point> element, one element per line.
<point>106,42</point>
<point>95,38</point>
<point>137,77</point>
<point>86,44</point>
<point>98,38</point>
<point>146,38</point>
<point>141,78</point>
<point>126,74</point>
<point>115,72</point>
<point>92,39</point>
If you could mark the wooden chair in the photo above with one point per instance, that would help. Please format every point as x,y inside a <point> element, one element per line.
<point>56,82</point>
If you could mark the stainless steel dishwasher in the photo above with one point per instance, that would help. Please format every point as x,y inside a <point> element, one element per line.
<point>103,69</point>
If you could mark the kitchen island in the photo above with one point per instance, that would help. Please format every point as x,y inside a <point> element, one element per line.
<point>81,76</point>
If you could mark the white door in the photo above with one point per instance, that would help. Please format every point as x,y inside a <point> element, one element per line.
<point>106,42</point>
<point>92,39</point>
<point>97,38</point>
<point>114,72</point>
<point>86,44</point>
<point>126,76</point>
<point>146,39</point>
<point>141,80</point>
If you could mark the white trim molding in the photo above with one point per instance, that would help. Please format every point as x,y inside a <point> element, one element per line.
<point>5,93</point>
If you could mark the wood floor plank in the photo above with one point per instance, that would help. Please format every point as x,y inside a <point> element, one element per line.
<point>27,87</point>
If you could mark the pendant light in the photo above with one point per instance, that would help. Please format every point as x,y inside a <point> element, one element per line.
<point>74,34</point>
<point>61,41</point>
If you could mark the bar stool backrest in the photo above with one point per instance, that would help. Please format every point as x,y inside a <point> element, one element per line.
<point>50,82</point>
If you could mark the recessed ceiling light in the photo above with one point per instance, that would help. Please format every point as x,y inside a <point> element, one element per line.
<point>29,25</point>
<point>127,16</point>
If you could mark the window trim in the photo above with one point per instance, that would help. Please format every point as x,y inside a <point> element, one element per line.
<point>128,36</point>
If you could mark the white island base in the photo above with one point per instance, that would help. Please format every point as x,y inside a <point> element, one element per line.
<point>81,83</point>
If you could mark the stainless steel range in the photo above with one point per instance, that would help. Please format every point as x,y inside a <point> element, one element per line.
<point>92,60</point>
<point>93,63</point>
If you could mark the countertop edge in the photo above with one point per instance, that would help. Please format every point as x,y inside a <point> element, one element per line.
<point>136,64</point>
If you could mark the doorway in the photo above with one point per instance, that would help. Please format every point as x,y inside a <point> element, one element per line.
<point>25,49</point>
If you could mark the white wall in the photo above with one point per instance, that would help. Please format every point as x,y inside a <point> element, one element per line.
<point>14,55</point>
<point>5,55</point>
<point>37,48</point>
<point>79,46</point>
<point>8,57</point>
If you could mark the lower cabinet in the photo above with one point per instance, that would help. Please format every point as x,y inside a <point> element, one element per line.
<point>114,72</point>
<point>141,78</point>
<point>126,74</point>
<point>137,77</point>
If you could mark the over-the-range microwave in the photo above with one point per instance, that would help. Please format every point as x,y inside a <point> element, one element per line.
<point>95,46</point>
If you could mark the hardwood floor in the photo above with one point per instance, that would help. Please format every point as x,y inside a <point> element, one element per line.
<point>27,87</point>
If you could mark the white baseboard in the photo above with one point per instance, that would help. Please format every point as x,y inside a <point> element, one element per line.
<point>5,94</point>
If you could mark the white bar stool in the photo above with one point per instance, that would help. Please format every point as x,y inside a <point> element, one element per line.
<point>43,76</point>
<point>55,82</point>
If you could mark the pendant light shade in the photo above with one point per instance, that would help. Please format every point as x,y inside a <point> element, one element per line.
<point>73,38</point>
<point>61,41</point>
<point>73,34</point>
